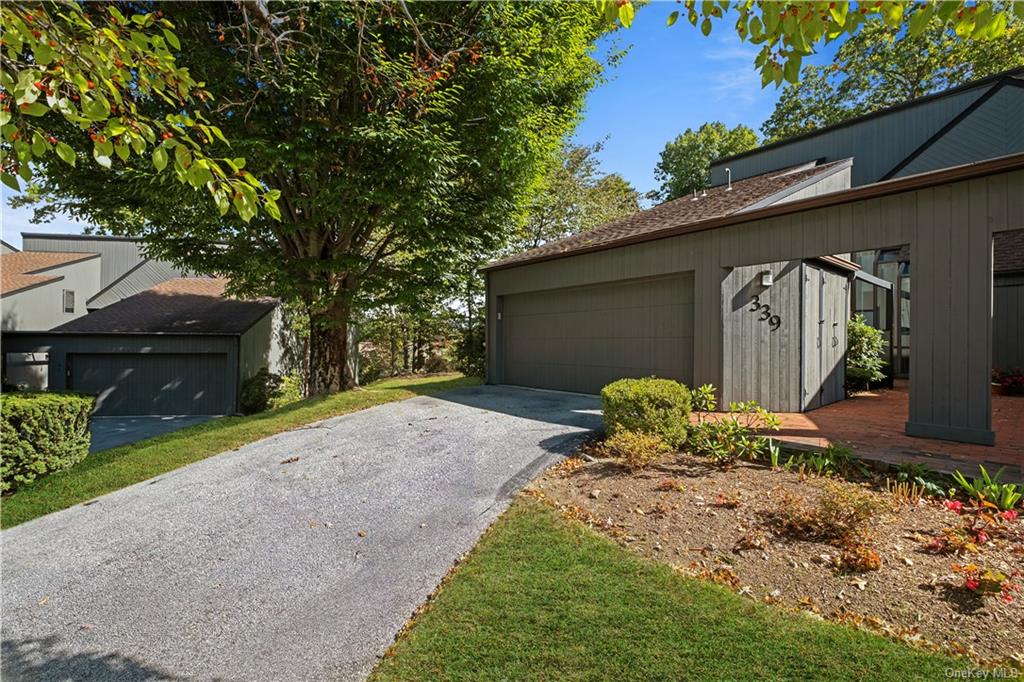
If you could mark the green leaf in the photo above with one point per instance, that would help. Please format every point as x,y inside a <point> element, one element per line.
<point>34,109</point>
<point>919,20</point>
<point>11,181</point>
<point>705,26</point>
<point>273,210</point>
<point>626,14</point>
<point>672,18</point>
<point>172,39</point>
<point>791,69</point>
<point>160,158</point>
<point>66,153</point>
<point>101,159</point>
<point>122,151</point>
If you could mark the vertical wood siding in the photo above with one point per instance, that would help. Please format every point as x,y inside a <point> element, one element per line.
<point>949,229</point>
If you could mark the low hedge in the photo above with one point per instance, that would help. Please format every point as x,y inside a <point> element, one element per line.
<point>656,406</point>
<point>41,433</point>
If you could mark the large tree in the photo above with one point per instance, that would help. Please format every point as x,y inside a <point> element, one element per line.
<point>399,136</point>
<point>573,196</point>
<point>882,66</point>
<point>686,161</point>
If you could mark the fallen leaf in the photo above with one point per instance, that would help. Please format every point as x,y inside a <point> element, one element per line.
<point>290,460</point>
<point>44,600</point>
<point>361,533</point>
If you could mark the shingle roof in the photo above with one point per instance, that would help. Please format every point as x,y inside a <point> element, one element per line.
<point>717,202</point>
<point>24,269</point>
<point>191,305</point>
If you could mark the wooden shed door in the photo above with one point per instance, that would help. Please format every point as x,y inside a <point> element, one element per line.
<point>153,383</point>
<point>825,314</point>
<point>580,339</point>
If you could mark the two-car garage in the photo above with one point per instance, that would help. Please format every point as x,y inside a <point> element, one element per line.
<point>579,339</point>
<point>153,383</point>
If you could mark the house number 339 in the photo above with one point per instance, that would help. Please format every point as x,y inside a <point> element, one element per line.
<point>765,313</point>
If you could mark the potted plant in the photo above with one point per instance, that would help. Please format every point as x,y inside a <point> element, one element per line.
<point>1007,382</point>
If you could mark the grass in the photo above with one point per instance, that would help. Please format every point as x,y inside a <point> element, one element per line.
<point>110,470</point>
<point>545,599</point>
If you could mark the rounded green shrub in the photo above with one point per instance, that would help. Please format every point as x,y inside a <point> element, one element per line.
<point>651,405</point>
<point>41,433</point>
<point>266,390</point>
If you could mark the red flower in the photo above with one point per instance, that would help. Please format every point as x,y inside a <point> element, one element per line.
<point>954,505</point>
<point>1009,515</point>
<point>972,583</point>
<point>1007,597</point>
<point>981,536</point>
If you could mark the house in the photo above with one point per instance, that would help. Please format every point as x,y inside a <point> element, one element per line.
<point>181,347</point>
<point>749,284</point>
<point>41,290</point>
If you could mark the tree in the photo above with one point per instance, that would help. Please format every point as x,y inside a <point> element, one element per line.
<point>686,161</point>
<point>72,71</point>
<point>572,197</point>
<point>882,66</point>
<point>399,136</point>
<point>790,31</point>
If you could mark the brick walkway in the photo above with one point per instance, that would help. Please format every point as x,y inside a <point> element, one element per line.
<point>872,424</point>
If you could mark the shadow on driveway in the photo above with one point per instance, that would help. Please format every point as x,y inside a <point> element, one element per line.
<point>551,407</point>
<point>111,432</point>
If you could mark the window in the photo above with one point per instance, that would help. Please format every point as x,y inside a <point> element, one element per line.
<point>69,301</point>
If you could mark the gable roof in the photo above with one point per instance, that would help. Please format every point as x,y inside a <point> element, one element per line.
<point>967,171</point>
<point>186,305</point>
<point>22,270</point>
<point>715,202</point>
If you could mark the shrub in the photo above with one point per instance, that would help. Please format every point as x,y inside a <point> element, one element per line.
<point>842,515</point>
<point>42,433</point>
<point>634,449</point>
<point>266,390</point>
<point>865,353</point>
<point>737,434</point>
<point>655,406</point>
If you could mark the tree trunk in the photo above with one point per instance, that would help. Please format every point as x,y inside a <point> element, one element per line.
<point>329,362</point>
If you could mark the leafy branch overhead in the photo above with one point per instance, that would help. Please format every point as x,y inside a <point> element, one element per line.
<point>81,78</point>
<point>790,31</point>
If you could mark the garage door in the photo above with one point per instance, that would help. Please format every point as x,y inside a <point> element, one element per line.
<point>144,383</point>
<point>581,339</point>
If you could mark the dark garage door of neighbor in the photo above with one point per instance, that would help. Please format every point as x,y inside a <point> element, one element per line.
<point>153,383</point>
<point>581,339</point>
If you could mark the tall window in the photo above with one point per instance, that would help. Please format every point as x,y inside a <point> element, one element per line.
<point>69,301</point>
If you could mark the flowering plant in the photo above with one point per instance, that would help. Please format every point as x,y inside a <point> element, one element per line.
<point>986,581</point>
<point>1011,379</point>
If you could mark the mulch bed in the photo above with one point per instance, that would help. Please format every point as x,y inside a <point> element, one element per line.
<point>715,523</point>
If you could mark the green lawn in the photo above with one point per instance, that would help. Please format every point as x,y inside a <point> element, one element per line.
<point>110,470</point>
<point>544,599</point>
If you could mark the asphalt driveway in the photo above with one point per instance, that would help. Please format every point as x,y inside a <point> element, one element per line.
<point>111,432</point>
<point>298,557</point>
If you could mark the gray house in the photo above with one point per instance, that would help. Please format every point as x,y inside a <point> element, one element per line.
<point>181,347</point>
<point>748,286</point>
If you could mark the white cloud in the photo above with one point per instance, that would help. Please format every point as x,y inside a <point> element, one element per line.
<point>733,77</point>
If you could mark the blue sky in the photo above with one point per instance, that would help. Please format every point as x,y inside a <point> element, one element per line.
<point>673,78</point>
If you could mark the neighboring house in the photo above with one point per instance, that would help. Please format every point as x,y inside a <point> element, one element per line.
<point>1008,302</point>
<point>180,347</point>
<point>42,290</point>
<point>6,248</point>
<point>747,285</point>
<point>125,269</point>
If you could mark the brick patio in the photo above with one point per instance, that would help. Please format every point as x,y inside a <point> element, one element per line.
<point>872,424</point>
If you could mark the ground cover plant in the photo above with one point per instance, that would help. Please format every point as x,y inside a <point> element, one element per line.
<point>542,597</point>
<point>940,572</point>
<point>894,550</point>
<point>110,470</point>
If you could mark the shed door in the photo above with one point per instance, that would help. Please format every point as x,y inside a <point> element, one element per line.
<point>580,339</point>
<point>825,314</point>
<point>152,383</point>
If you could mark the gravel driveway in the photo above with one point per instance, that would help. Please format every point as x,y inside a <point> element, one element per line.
<point>298,557</point>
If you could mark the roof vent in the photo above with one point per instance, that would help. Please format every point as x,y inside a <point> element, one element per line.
<point>728,186</point>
